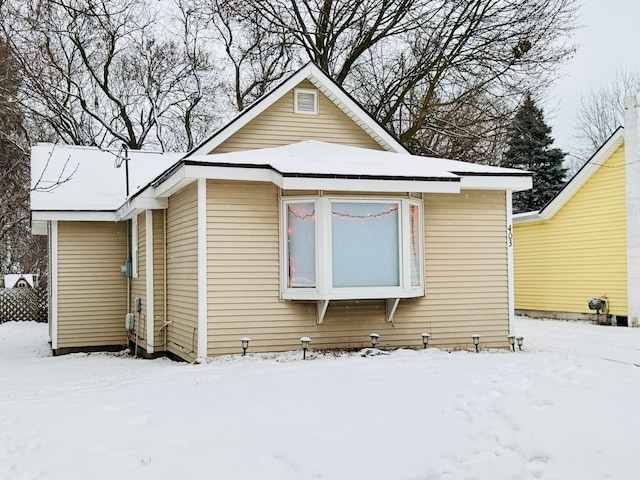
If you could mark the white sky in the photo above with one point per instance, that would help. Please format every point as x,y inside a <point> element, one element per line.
<point>609,41</point>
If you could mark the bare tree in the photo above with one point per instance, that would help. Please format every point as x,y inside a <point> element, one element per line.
<point>600,112</point>
<point>98,72</point>
<point>254,54</point>
<point>417,65</point>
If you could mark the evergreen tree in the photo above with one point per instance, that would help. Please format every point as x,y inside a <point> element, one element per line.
<point>529,148</point>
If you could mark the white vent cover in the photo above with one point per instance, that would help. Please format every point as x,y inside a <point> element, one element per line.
<point>305,101</point>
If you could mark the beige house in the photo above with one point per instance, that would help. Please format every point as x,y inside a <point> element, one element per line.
<point>301,217</point>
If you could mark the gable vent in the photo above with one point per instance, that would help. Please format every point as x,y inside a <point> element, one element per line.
<point>306,101</point>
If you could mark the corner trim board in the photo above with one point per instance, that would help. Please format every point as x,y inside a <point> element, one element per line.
<point>202,268</point>
<point>54,284</point>
<point>149,279</point>
<point>510,271</point>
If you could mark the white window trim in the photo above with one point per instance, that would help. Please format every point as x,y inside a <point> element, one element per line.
<point>324,289</point>
<point>295,100</point>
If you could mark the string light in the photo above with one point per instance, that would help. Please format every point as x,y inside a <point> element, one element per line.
<point>343,216</point>
<point>414,212</point>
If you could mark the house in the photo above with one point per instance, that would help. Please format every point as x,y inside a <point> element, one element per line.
<point>20,280</point>
<point>585,244</point>
<point>301,217</point>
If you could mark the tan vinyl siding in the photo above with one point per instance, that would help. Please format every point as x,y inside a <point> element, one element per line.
<point>182,272</point>
<point>278,125</point>
<point>139,284</point>
<point>158,279</point>
<point>92,292</point>
<point>465,265</point>
<point>465,270</point>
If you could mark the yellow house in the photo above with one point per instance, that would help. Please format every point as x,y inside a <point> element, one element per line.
<point>584,244</point>
<point>301,217</point>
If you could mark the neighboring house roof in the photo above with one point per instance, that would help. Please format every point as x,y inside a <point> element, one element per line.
<point>329,88</point>
<point>581,177</point>
<point>72,178</point>
<point>11,280</point>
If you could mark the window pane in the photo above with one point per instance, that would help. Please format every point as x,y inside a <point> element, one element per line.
<point>365,246</point>
<point>301,244</point>
<point>414,244</point>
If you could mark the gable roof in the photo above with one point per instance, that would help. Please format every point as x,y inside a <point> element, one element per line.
<point>329,88</point>
<point>581,177</point>
<point>74,178</point>
<point>11,279</point>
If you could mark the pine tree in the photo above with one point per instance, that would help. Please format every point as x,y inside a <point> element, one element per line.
<point>529,148</point>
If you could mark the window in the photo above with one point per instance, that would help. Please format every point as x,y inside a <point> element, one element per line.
<point>341,248</point>
<point>305,101</point>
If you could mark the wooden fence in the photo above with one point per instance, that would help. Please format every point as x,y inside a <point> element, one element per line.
<point>23,304</point>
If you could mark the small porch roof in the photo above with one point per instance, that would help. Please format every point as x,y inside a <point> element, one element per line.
<point>315,165</point>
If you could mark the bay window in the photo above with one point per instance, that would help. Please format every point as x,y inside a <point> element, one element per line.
<point>351,248</point>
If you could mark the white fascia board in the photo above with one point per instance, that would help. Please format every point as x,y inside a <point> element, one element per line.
<point>174,182</point>
<point>527,217</point>
<point>482,182</point>
<point>193,172</point>
<point>584,174</point>
<point>233,173</point>
<point>370,185</point>
<point>39,227</point>
<point>141,203</point>
<point>325,85</point>
<point>64,215</point>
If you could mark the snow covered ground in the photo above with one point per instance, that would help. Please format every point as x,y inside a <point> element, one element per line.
<point>568,407</point>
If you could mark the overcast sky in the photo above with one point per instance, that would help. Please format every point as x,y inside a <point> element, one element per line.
<point>609,40</point>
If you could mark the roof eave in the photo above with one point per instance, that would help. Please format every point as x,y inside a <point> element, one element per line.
<point>587,171</point>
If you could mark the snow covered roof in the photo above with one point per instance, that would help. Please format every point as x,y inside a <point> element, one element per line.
<point>11,279</point>
<point>72,178</point>
<point>316,165</point>
<point>82,183</point>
